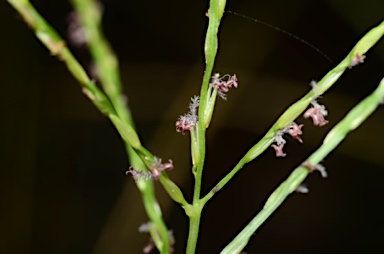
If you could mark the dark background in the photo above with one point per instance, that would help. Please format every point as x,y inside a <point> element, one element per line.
<point>63,188</point>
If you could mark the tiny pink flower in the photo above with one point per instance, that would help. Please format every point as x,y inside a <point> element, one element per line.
<point>223,84</point>
<point>188,121</point>
<point>317,113</point>
<point>138,174</point>
<point>156,173</point>
<point>358,59</point>
<point>157,167</point>
<point>295,131</point>
<point>184,124</point>
<point>279,150</point>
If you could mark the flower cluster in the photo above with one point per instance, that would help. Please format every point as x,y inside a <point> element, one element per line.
<point>223,84</point>
<point>294,130</point>
<point>156,169</point>
<point>187,121</point>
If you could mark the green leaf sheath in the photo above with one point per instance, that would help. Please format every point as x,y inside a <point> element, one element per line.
<point>300,106</point>
<point>349,123</point>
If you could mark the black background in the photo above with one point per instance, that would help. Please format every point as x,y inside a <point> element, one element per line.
<point>63,188</point>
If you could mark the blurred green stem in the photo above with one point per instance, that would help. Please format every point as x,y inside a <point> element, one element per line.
<point>105,60</point>
<point>107,69</point>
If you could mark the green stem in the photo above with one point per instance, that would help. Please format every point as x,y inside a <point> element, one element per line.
<point>194,223</point>
<point>216,11</point>
<point>106,62</point>
<point>153,211</point>
<point>279,195</point>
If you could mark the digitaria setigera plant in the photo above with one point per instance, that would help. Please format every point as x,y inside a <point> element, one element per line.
<point>147,168</point>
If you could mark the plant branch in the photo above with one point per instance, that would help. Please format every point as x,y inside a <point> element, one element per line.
<point>338,133</point>
<point>298,108</point>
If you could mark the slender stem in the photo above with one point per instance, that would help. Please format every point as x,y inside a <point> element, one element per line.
<point>216,11</point>
<point>153,211</point>
<point>279,195</point>
<point>261,146</point>
<point>194,223</point>
<point>105,60</point>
